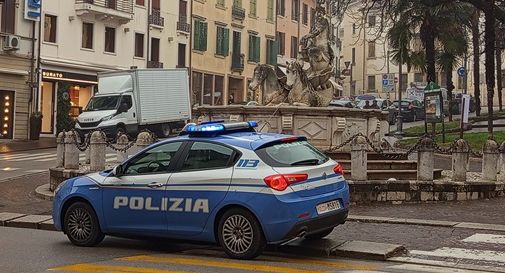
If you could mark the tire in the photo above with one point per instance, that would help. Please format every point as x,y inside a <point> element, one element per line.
<point>319,235</point>
<point>164,130</point>
<point>414,117</point>
<point>239,225</point>
<point>81,225</point>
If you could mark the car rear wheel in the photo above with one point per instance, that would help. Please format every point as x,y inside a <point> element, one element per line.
<point>240,234</point>
<point>319,235</point>
<point>81,225</point>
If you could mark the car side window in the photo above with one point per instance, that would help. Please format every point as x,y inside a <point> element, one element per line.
<point>206,156</point>
<point>155,160</point>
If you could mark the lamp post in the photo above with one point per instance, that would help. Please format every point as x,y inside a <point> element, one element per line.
<point>399,132</point>
<point>348,66</point>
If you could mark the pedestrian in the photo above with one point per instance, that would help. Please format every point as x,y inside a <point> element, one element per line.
<point>374,105</point>
<point>367,105</point>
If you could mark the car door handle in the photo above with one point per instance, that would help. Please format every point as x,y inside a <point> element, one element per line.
<point>155,185</point>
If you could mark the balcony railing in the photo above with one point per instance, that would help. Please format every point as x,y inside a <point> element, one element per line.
<point>120,10</point>
<point>182,24</point>
<point>238,13</point>
<point>154,64</point>
<point>237,62</point>
<point>156,19</point>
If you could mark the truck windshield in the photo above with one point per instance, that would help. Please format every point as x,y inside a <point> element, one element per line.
<point>103,103</point>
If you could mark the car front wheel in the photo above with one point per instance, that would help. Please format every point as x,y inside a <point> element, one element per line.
<point>81,225</point>
<point>240,234</point>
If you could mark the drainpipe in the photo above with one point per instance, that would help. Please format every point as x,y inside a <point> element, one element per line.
<point>190,51</point>
<point>148,54</point>
<point>32,73</point>
<point>39,71</point>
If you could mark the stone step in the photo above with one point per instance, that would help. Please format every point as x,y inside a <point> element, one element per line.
<point>371,156</point>
<point>384,164</point>
<point>397,174</point>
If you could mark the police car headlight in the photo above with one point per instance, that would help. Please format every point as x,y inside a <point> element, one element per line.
<point>58,188</point>
<point>107,117</point>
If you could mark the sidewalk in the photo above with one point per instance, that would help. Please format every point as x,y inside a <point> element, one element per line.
<point>9,146</point>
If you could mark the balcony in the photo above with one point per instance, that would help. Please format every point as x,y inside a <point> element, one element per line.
<point>237,62</point>
<point>120,11</point>
<point>182,24</point>
<point>238,13</point>
<point>154,64</point>
<point>156,19</point>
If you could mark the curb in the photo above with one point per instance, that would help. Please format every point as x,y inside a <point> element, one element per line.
<point>28,149</point>
<point>44,193</point>
<point>22,176</point>
<point>423,222</point>
<point>18,220</point>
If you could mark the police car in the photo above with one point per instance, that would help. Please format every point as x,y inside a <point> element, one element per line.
<point>216,182</point>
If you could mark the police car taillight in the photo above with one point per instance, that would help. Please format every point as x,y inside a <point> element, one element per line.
<point>338,169</point>
<point>280,182</point>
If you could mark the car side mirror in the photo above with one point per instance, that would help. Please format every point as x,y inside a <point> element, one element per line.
<point>117,171</point>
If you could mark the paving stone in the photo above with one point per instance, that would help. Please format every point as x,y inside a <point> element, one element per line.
<point>368,250</point>
<point>6,216</point>
<point>47,225</point>
<point>28,221</point>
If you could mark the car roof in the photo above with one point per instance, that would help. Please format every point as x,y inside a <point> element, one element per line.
<point>246,140</point>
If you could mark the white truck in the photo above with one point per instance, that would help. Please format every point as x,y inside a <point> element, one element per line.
<point>132,100</point>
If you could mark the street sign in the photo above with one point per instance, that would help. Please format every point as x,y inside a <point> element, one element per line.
<point>388,83</point>
<point>461,71</point>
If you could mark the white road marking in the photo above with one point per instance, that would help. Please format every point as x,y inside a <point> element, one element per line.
<point>35,171</point>
<point>33,158</point>
<point>427,268</point>
<point>9,169</point>
<point>461,253</point>
<point>19,156</point>
<point>486,238</point>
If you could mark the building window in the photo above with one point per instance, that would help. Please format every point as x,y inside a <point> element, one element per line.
<point>87,35</point>
<point>140,2</point>
<point>50,28</point>
<point>139,45</point>
<point>371,21</point>
<point>254,48</point>
<point>353,56</point>
<point>237,3</point>
<point>294,47</point>
<point>281,7</point>
<point>270,10</point>
<point>295,10</point>
<point>220,3</point>
<point>281,43</point>
<point>181,57</point>
<point>371,84</point>
<point>222,41</point>
<point>110,39</point>
<point>155,49</point>
<point>156,4</point>
<point>271,52</point>
<point>371,49</point>
<point>418,77</point>
<point>252,8</point>
<point>200,36</point>
<point>312,17</point>
<point>237,59</point>
<point>8,16</point>
<point>305,18</point>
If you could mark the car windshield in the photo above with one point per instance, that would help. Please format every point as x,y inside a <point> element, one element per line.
<point>404,103</point>
<point>298,153</point>
<point>103,103</point>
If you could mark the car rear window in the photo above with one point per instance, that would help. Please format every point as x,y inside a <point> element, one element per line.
<point>291,154</point>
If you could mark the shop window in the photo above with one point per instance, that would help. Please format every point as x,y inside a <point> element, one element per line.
<point>196,86</point>
<point>110,39</point>
<point>208,83</point>
<point>50,28</point>
<point>6,114</point>
<point>87,35</point>
<point>218,90</point>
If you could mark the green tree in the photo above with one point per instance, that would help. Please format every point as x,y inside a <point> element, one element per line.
<point>63,119</point>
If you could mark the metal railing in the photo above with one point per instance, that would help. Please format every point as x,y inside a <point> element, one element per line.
<point>182,24</point>
<point>154,64</point>
<point>156,19</point>
<point>119,5</point>
<point>238,12</point>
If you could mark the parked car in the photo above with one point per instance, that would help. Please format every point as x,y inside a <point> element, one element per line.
<point>412,110</point>
<point>457,101</point>
<point>342,103</point>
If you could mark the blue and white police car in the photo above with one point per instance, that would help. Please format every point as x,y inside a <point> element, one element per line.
<point>216,182</point>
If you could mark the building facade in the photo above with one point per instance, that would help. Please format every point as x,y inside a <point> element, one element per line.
<point>294,20</point>
<point>229,38</point>
<point>81,38</point>
<point>18,53</point>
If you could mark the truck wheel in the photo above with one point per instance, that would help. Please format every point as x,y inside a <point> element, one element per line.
<point>164,130</point>
<point>81,225</point>
<point>240,234</point>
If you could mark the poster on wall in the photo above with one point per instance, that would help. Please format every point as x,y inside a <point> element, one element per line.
<point>433,107</point>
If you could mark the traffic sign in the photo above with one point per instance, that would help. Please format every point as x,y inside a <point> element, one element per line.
<point>388,83</point>
<point>461,71</point>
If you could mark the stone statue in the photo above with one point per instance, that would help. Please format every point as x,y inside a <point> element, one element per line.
<point>312,86</point>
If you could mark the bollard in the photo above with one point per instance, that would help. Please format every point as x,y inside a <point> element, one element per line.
<point>122,142</point>
<point>144,139</point>
<point>425,157</point>
<point>87,155</point>
<point>97,151</point>
<point>359,159</point>
<point>501,167</point>
<point>71,157</point>
<point>60,150</point>
<point>460,160</point>
<point>490,156</point>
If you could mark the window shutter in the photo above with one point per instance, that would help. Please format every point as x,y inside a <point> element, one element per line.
<point>251,48</point>
<point>219,41</point>
<point>226,41</point>
<point>270,10</point>
<point>257,49</point>
<point>204,36</point>
<point>196,36</point>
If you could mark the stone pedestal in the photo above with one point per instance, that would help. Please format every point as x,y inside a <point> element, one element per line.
<point>359,159</point>
<point>425,159</point>
<point>460,158</point>
<point>71,151</point>
<point>60,150</point>
<point>97,151</point>
<point>122,142</point>
<point>490,157</point>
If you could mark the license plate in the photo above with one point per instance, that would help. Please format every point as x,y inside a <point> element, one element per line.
<point>328,207</point>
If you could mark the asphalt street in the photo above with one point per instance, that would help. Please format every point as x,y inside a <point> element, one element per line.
<point>31,251</point>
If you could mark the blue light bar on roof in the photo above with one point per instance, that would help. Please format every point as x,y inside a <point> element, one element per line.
<point>215,127</point>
